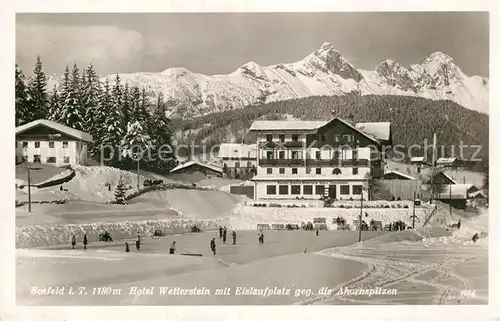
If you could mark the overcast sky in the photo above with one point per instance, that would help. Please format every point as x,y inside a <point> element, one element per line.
<point>219,43</point>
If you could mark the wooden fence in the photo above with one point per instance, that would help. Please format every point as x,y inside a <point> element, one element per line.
<point>404,188</point>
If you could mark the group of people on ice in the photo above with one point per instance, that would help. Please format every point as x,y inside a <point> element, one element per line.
<point>85,241</point>
<point>223,236</point>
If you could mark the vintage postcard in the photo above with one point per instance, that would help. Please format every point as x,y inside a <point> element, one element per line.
<point>252,158</point>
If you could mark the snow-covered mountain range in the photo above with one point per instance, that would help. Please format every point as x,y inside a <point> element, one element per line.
<point>324,72</point>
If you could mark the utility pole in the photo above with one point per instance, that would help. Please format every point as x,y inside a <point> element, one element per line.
<point>414,198</point>
<point>433,172</point>
<point>450,198</point>
<point>29,190</point>
<point>360,217</point>
<point>138,182</point>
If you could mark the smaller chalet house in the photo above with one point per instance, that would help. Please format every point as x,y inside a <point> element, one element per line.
<point>456,194</point>
<point>397,175</point>
<point>441,178</point>
<point>453,162</point>
<point>239,161</point>
<point>195,166</point>
<point>49,142</point>
<point>419,161</point>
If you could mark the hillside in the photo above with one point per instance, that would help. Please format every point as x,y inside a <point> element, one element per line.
<point>413,119</point>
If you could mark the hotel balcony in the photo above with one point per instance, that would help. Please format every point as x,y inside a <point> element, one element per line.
<point>288,144</point>
<point>336,162</point>
<point>280,162</point>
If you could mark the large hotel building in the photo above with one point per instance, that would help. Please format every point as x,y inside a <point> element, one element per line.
<point>314,159</point>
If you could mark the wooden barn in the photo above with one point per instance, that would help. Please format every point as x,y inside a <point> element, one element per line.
<point>441,178</point>
<point>397,175</point>
<point>194,166</point>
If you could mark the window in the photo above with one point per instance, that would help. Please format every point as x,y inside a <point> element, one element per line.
<point>237,164</point>
<point>308,170</point>
<point>249,164</point>
<point>336,154</point>
<point>295,189</point>
<point>337,138</point>
<point>37,159</point>
<point>295,138</point>
<point>344,189</point>
<point>25,144</point>
<point>282,155</point>
<point>65,144</point>
<point>295,155</point>
<point>354,154</point>
<point>282,171</point>
<point>269,155</point>
<point>37,144</point>
<point>318,154</point>
<point>269,138</point>
<point>51,160</point>
<point>282,137</point>
<point>294,171</point>
<point>357,189</point>
<point>271,189</point>
<point>283,189</point>
<point>51,144</point>
<point>354,171</point>
<point>308,189</point>
<point>269,170</point>
<point>66,160</point>
<point>347,138</point>
<point>320,189</point>
<point>318,171</point>
<point>336,171</point>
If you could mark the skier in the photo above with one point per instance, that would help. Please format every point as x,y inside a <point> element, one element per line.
<point>127,248</point>
<point>224,236</point>
<point>212,245</point>
<point>234,237</point>
<point>172,248</point>
<point>85,241</point>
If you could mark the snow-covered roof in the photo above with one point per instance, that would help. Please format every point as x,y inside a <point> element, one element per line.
<point>303,125</point>
<point>448,177</point>
<point>477,194</point>
<point>444,160</point>
<point>195,162</point>
<point>264,125</point>
<point>417,159</point>
<point>380,130</point>
<point>400,174</point>
<point>77,134</point>
<point>237,151</point>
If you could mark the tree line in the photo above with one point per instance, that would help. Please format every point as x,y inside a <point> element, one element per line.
<point>120,118</point>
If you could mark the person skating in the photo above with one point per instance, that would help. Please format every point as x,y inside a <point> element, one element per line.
<point>73,241</point>
<point>234,237</point>
<point>220,231</point>
<point>127,248</point>
<point>261,237</point>
<point>138,242</point>
<point>224,236</point>
<point>172,248</point>
<point>85,241</point>
<point>212,245</point>
<point>317,231</point>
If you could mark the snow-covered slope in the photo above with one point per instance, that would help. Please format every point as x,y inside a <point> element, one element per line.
<point>324,72</point>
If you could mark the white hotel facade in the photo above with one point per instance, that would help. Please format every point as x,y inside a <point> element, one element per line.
<point>315,159</point>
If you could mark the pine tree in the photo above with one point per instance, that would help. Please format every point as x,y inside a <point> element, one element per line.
<point>120,193</point>
<point>161,132</point>
<point>112,130</point>
<point>22,103</point>
<point>55,107</point>
<point>117,99</point>
<point>90,100</point>
<point>135,100</point>
<point>144,109</point>
<point>72,112</point>
<point>38,91</point>
<point>136,144</point>
<point>126,110</point>
<point>65,85</point>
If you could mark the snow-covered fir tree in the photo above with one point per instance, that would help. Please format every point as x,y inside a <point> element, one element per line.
<point>38,97</point>
<point>23,111</point>
<point>120,192</point>
<point>161,134</point>
<point>144,117</point>
<point>136,144</point>
<point>112,131</point>
<point>72,112</point>
<point>90,99</point>
<point>126,107</point>
<point>55,106</point>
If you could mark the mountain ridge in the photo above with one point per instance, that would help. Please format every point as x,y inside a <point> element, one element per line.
<point>323,72</point>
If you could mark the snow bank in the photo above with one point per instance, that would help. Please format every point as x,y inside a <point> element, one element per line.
<point>247,217</point>
<point>44,235</point>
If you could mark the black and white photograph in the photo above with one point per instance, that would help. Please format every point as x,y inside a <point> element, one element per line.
<point>244,159</point>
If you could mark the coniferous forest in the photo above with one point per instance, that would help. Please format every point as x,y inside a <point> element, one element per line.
<point>117,116</point>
